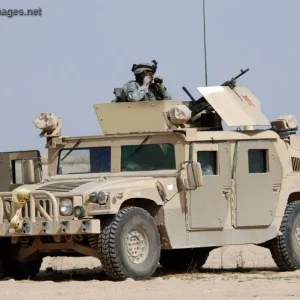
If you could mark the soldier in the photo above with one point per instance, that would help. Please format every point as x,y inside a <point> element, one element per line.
<point>144,87</point>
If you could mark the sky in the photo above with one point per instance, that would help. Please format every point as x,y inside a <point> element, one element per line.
<point>77,52</point>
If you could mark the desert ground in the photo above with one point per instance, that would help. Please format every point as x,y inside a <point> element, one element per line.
<point>235,272</point>
<point>231,272</point>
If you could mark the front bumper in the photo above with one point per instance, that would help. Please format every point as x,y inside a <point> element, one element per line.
<point>88,226</point>
<point>36,220</point>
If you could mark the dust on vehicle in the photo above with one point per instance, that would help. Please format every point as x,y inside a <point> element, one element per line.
<point>165,183</point>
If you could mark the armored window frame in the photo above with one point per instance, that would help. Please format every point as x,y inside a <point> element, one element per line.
<point>258,161</point>
<point>211,155</point>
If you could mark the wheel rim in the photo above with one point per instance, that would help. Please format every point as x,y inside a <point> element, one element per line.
<point>137,245</point>
<point>297,236</point>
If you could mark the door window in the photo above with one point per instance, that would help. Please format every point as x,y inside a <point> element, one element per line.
<point>208,161</point>
<point>257,160</point>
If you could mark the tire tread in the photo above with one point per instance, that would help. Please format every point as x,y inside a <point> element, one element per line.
<point>106,249</point>
<point>278,246</point>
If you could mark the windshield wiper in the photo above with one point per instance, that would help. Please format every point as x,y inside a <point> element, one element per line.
<point>141,145</point>
<point>76,144</point>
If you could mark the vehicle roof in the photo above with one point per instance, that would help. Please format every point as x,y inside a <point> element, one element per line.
<point>188,135</point>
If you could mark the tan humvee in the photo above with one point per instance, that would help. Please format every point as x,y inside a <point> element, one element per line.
<point>159,186</point>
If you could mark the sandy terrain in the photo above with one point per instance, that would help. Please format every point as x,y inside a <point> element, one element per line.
<point>75,278</point>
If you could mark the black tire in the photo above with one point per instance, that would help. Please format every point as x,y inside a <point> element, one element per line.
<point>22,271</point>
<point>114,253</point>
<point>284,249</point>
<point>13,268</point>
<point>184,259</point>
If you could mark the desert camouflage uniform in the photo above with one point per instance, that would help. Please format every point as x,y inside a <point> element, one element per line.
<point>133,92</point>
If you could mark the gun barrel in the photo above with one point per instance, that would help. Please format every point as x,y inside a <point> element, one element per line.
<point>242,73</point>
<point>188,93</point>
<point>231,83</point>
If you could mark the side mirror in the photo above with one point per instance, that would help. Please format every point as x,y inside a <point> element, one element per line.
<point>194,175</point>
<point>29,173</point>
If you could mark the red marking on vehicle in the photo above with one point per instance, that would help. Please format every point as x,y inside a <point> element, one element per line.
<point>248,100</point>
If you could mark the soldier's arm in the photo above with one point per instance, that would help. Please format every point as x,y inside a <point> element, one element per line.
<point>167,95</point>
<point>135,93</point>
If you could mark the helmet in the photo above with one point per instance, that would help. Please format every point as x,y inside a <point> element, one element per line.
<point>144,66</point>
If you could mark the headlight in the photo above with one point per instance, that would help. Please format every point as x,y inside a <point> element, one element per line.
<point>93,197</point>
<point>66,207</point>
<point>100,197</point>
<point>79,212</point>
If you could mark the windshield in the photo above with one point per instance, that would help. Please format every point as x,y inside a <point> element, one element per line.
<point>85,160</point>
<point>148,157</point>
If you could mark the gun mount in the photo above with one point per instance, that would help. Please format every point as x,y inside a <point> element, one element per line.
<point>197,106</point>
<point>237,108</point>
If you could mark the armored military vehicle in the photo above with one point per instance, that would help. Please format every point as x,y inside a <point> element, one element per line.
<point>164,184</point>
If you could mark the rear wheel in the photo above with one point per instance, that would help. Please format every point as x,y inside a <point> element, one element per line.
<point>129,245</point>
<point>184,259</point>
<point>285,249</point>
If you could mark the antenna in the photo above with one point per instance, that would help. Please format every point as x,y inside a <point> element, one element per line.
<point>205,59</point>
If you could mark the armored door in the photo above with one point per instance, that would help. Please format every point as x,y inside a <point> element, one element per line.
<point>257,175</point>
<point>209,204</point>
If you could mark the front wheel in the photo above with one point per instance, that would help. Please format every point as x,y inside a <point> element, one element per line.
<point>285,249</point>
<point>129,245</point>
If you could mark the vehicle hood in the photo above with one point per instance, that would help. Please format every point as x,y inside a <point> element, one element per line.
<point>130,186</point>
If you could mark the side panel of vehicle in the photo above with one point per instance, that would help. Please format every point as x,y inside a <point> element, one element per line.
<point>172,222</point>
<point>232,208</point>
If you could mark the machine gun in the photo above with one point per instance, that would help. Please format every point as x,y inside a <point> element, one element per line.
<point>197,106</point>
